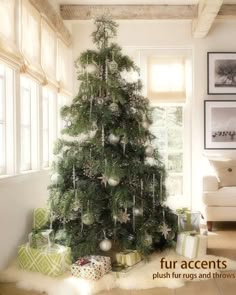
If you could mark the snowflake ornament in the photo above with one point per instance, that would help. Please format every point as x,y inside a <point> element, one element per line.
<point>164,229</point>
<point>104,179</point>
<point>123,217</point>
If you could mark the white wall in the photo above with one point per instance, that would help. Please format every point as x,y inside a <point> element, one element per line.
<point>19,196</point>
<point>173,35</point>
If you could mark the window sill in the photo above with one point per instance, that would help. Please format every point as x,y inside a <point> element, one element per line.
<point>21,174</point>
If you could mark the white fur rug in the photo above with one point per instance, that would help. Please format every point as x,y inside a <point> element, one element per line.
<point>139,278</point>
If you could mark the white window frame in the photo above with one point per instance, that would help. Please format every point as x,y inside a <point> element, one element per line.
<point>50,95</point>
<point>8,79</point>
<point>33,89</point>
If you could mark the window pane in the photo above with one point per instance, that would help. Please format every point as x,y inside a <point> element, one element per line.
<point>25,148</point>
<point>45,148</point>
<point>174,185</point>
<point>45,113</point>
<point>25,107</point>
<point>2,149</point>
<point>168,129</point>
<point>2,102</point>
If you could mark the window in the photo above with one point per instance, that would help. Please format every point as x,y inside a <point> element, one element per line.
<point>169,89</point>
<point>6,119</point>
<point>168,129</point>
<point>49,124</point>
<point>29,124</point>
<point>2,122</point>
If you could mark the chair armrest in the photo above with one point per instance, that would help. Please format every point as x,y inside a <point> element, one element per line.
<point>210,183</point>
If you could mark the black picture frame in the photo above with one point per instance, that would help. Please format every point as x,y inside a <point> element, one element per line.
<point>218,65</point>
<point>219,116</point>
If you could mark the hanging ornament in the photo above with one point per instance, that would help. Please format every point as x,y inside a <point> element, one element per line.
<point>138,211</point>
<point>124,142</point>
<point>103,136</point>
<point>56,178</point>
<point>113,66</point>
<point>88,169</point>
<point>105,245</point>
<point>113,139</point>
<point>74,177</point>
<point>123,216</point>
<point>161,197</point>
<point>149,150</point>
<point>114,108</point>
<point>113,181</point>
<point>145,124</point>
<point>100,100</point>
<point>133,110</point>
<point>104,179</point>
<point>171,236</point>
<point>147,240</point>
<point>76,205</point>
<point>164,229</point>
<point>61,235</point>
<point>88,218</point>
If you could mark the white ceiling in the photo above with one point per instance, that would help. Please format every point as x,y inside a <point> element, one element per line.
<point>142,2</point>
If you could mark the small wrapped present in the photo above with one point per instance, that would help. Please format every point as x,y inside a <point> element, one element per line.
<point>41,238</point>
<point>188,220</point>
<point>41,218</point>
<point>52,261</point>
<point>91,267</point>
<point>128,257</point>
<point>191,244</point>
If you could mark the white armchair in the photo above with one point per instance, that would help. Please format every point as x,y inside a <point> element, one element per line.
<point>220,201</point>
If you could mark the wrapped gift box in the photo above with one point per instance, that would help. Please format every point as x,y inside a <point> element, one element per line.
<point>191,244</point>
<point>128,257</point>
<point>52,261</point>
<point>91,267</point>
<point>41,218</point>
<point>188,221</point>
<point>41,238</point>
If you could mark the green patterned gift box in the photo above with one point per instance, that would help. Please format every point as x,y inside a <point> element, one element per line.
<point>188,220</point>
<point>41,238</point>
<point>41,218</point>
<point>52,261</point>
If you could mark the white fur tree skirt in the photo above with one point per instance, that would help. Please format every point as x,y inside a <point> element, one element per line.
<point>139,278</point>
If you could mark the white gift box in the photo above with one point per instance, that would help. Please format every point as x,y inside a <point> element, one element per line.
<point>191,245</point>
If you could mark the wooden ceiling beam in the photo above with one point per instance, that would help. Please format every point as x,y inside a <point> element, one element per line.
<point>207,12</point>
<point>128,12</point>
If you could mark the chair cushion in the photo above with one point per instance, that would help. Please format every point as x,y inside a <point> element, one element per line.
<point>225,196</point>
<point>225,172</point>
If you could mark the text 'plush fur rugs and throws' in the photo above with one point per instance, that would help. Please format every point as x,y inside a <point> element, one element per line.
<point>139,278</point>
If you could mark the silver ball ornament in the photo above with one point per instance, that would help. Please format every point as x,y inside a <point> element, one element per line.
<point>133,110</point>
<point>113,139</point>
<point>113,181</point>
<point>88,219</point>
<point>105,245</point>
<point>149,150</point>
<point>147,240</point>
<point>113,107</point>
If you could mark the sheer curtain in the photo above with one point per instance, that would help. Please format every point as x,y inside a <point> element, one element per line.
<point>64,68</point>
<point>48,51</point>
<point>7,19</point>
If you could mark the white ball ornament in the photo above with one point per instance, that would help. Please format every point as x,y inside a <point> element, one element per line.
<point>56,178</point>
<point>145,124</point>
<point>113,139</point>
<point>105,245</point>
<point>138,211</point>
<point>149,150</point>
<point>113,181</point>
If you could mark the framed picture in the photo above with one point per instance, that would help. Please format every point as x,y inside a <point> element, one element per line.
<point>221,72</point>
<point>220,124</point>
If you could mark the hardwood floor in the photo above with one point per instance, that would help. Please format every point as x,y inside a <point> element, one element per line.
<point>221,242</point>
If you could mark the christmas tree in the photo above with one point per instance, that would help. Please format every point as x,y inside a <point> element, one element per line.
<point>108,182</point>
